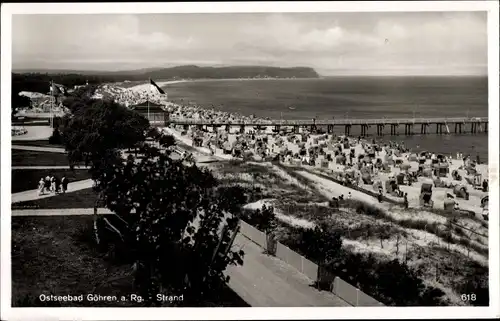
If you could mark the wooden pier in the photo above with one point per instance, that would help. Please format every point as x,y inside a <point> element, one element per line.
<point>459,125</point>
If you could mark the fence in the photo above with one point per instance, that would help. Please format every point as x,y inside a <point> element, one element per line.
<point>342,289</point>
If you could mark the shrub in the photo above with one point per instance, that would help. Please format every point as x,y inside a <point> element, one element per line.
<point>263,219</point>
<point>56,138</point>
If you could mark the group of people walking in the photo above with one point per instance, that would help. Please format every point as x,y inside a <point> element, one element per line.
<point>52,184</point>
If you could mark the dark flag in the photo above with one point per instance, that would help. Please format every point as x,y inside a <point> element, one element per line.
<point>54,89</point>
<point>155,86</point>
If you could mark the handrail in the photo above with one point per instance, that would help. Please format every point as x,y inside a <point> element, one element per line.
<point>282,122</point>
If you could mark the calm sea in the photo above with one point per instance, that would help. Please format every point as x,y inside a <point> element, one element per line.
<point>354,97</point>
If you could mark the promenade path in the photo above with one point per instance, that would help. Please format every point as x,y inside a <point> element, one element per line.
<point>39,149</point>
<point>262,280</point>
<point>33,194</point>
<point>47,167</point>
<point>35,133</point>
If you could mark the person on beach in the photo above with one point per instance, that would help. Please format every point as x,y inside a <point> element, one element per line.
<point>405,200</point>
<point>52,184</point>
<point>41,186</point>
<point>379,196</point>
<point>47,183</point>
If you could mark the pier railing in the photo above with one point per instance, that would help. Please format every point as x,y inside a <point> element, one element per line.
<point>319,122</point>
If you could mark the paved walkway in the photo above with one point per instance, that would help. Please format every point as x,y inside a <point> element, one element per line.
<point>40,149</point>
<point>262,280</point>
<point>33,194</point>
<point>60,212</point>
<point>35,133</point>
<point>48,167</point>
<point>266,281</point>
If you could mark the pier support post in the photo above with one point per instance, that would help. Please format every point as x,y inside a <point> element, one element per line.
<point>394,130</point>
<point>277,128</point>
<point>242,129</point>
<point>380,129</point>
<point>486,127</point>
<point>296,129</point>
<point>347,130</point>
<point>329,129</point>
<point>228,128</point>
<point>423,129</point>
<point>408,129</point>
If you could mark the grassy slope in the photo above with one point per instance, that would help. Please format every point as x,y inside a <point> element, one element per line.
<point>55,255</point>
<point>38,143</point>
<point>35,158</point>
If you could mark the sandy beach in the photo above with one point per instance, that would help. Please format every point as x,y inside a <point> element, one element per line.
<point>327,155</point>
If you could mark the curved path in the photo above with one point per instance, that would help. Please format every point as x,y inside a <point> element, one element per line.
<point>35,133</point>
<point>33,194</point>
<point>40,149</point>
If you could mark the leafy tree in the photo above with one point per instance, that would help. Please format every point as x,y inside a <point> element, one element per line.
<point>321,243</point>
<point>180,233</point>
<point>19,102</point>
<point>236,195</point>
<point>56,138</point>
<point>90,134</point>
<point>177,229</point>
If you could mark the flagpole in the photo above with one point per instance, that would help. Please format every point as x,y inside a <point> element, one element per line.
<point>51,102</point>
<point>148,95</point>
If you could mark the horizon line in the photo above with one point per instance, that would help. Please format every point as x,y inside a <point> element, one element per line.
<point>150,69</point>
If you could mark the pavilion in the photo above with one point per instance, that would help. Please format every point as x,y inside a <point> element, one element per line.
<point>153,111</point>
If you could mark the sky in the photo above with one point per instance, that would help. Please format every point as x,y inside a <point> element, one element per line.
<point>398,43</point>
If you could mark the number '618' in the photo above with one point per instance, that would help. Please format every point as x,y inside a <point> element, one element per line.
<point>468,297</point>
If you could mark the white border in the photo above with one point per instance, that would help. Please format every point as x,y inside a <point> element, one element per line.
<point>250,313</point>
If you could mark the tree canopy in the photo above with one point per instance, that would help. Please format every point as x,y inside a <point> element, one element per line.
<point>97,128</point>
<point>177,229</point>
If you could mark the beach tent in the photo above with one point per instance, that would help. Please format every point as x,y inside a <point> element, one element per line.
<point>366,177</point>
<point>400,178</point>
<point>484,201</point>
<point>377,185</point>
<point>439,183</point>
<point>404,166</point>
<point>443,169</point>
<point>390,185</point>
<point>449,205</point>
<point>427,172</point>
<point>340,160</point>
<point>426,194</point>
<point>461,191</point>
<point>456,175</point>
